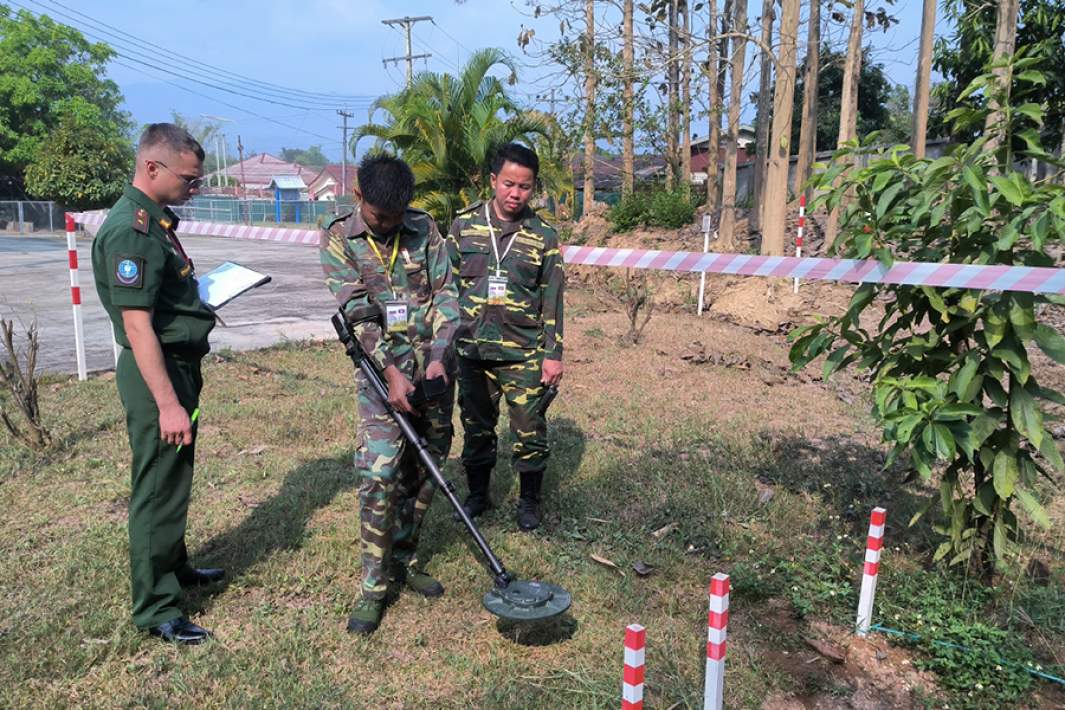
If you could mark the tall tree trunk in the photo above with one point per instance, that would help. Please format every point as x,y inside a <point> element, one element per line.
<point>686,98</point>
<point>776,190</point>
<point>589,106</point>
<point>924,72</point>
<point>808,127</point>
<point>735,98</point>
<point>672,81</point>
<point>1005,39</point>
<point>848,104</point>
<point>714,122</point>
<point>761,119</point>
<point>628,151</point>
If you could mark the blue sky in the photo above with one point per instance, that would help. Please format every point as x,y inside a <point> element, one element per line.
<point>329,47</point>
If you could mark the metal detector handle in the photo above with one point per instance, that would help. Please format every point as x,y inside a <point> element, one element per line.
<point>369,370</point>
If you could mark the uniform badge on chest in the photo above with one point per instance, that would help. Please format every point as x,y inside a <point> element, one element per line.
<point>497,289</point>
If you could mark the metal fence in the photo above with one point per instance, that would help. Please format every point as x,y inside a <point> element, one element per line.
<point>206,209</point>
<point>28,216</point>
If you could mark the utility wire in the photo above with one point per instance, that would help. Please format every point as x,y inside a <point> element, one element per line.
<point>113,31</point>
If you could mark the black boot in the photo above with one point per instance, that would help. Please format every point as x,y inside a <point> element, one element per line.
<point>529,501</point>
<point>477,501</point>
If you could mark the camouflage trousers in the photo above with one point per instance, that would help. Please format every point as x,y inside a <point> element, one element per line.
<point>481,385</point>
<point>395,488</point>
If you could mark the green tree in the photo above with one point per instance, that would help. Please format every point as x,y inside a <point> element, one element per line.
<point>447,129</point>
<point>47,72</point>
<point>84,162</point>
<point>312,157</point>
<point>953,386</point>
<point>874,94</point>
<point>961,57</point>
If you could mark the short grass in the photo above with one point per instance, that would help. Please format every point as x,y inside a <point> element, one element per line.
<point>766,477</point>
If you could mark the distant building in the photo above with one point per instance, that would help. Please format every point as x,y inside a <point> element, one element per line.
<point>254,175</point>
<point>327,185</point>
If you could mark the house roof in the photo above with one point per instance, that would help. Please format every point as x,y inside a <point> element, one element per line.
<point>335,172</point>
<point>257,171</point>
<point>287,182</point>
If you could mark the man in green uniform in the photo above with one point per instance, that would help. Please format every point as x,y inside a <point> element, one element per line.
<point>147,285</point>
<point>510,277</point>
<point>388,268</point>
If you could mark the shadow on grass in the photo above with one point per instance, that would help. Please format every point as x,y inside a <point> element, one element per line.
<point>567,443</point>
<point>542,633</point>
<point>276,524</point>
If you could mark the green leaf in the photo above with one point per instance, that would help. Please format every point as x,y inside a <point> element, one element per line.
<point>1022,315</point>
<point>833,361</point>
<point>957,412</point>
<point>1000,540</point>
<point>984,501</point>
<point>938,439</point>
<point>1031,506</point>
<point>941,551</point>
<point>1013,354</point>
<point>1032,77</point>
<point>1005,474</point>
<point>1025,414</point>
<point>1008,190</point>
<point>1050,452</point>
<point>978,188</point>
<point>981,428</point>
<point>996,319</point>
<point>961,380</point>
<point>1050,342</point>
<point>887,197</point>
<point>1032,111</point>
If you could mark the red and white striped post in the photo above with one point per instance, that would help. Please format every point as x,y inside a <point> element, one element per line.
<point>75,297</point>
<point>798,235</point>
<point>716,644</point>
<point>632,685</point>
<point>872,568</point>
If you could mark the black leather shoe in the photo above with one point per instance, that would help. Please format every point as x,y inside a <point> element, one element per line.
<point>193,577</point>
<point>474,506</point>
<point>528,514</point>
<point>180,631</point>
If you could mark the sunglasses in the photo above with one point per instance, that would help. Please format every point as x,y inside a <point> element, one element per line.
<point>191,183</point>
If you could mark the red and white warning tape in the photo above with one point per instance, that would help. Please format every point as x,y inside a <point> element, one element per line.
<point>1031,279</point>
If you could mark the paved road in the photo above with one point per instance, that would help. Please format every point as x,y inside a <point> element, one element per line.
<point>35,283</point>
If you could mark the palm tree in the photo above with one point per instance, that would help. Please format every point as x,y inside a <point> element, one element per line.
<point>447,129</point>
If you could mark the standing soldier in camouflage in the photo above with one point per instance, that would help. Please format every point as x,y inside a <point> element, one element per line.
<point>148,287</point>
<point>388,267</point>
<point>510,280</point>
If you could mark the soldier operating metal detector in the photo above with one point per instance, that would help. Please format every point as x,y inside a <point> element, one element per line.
<point>510,598</point>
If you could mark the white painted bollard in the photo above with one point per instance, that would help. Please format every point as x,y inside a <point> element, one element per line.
<point>873,545</point>
<point>706,248</point>
<point>716,643</point>
<point>632,685</point>
<point>798,236</point>
<point>75,297</point>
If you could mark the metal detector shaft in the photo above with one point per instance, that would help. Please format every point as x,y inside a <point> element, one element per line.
<point>369,370</point>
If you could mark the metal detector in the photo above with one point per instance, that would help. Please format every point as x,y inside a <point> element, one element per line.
<point>510,598</point>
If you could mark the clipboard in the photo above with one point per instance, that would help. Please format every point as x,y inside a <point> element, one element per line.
<point>224,283</point>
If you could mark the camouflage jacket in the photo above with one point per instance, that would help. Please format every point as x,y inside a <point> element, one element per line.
<point>420,276</point>
<point>531,318</point>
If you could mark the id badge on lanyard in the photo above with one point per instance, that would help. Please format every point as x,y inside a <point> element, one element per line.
<point>396,316</point>
<point>497,282</point>
<point>497,289</point>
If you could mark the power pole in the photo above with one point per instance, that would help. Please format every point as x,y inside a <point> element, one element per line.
<point>243,182</point>
<point>407,23</point>
<point>344,152</point>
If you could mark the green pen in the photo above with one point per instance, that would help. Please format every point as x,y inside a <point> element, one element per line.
<point>192,420</point>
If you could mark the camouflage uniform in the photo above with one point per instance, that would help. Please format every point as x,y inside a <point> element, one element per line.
<point>395,490</point>
<point>502,347</point>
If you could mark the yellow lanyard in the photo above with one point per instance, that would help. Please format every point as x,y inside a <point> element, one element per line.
<point>391,264</point>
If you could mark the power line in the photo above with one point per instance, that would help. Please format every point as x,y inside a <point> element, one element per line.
<point>274,88</point>
<point>229,105</point>
<point>136,57</point>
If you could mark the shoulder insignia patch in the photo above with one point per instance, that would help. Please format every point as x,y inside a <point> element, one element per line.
<point>141,220</point>
<point>129,271</point>
<point>471,208</point>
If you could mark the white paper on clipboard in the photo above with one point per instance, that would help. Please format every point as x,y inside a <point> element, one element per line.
<point>224,283</point>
